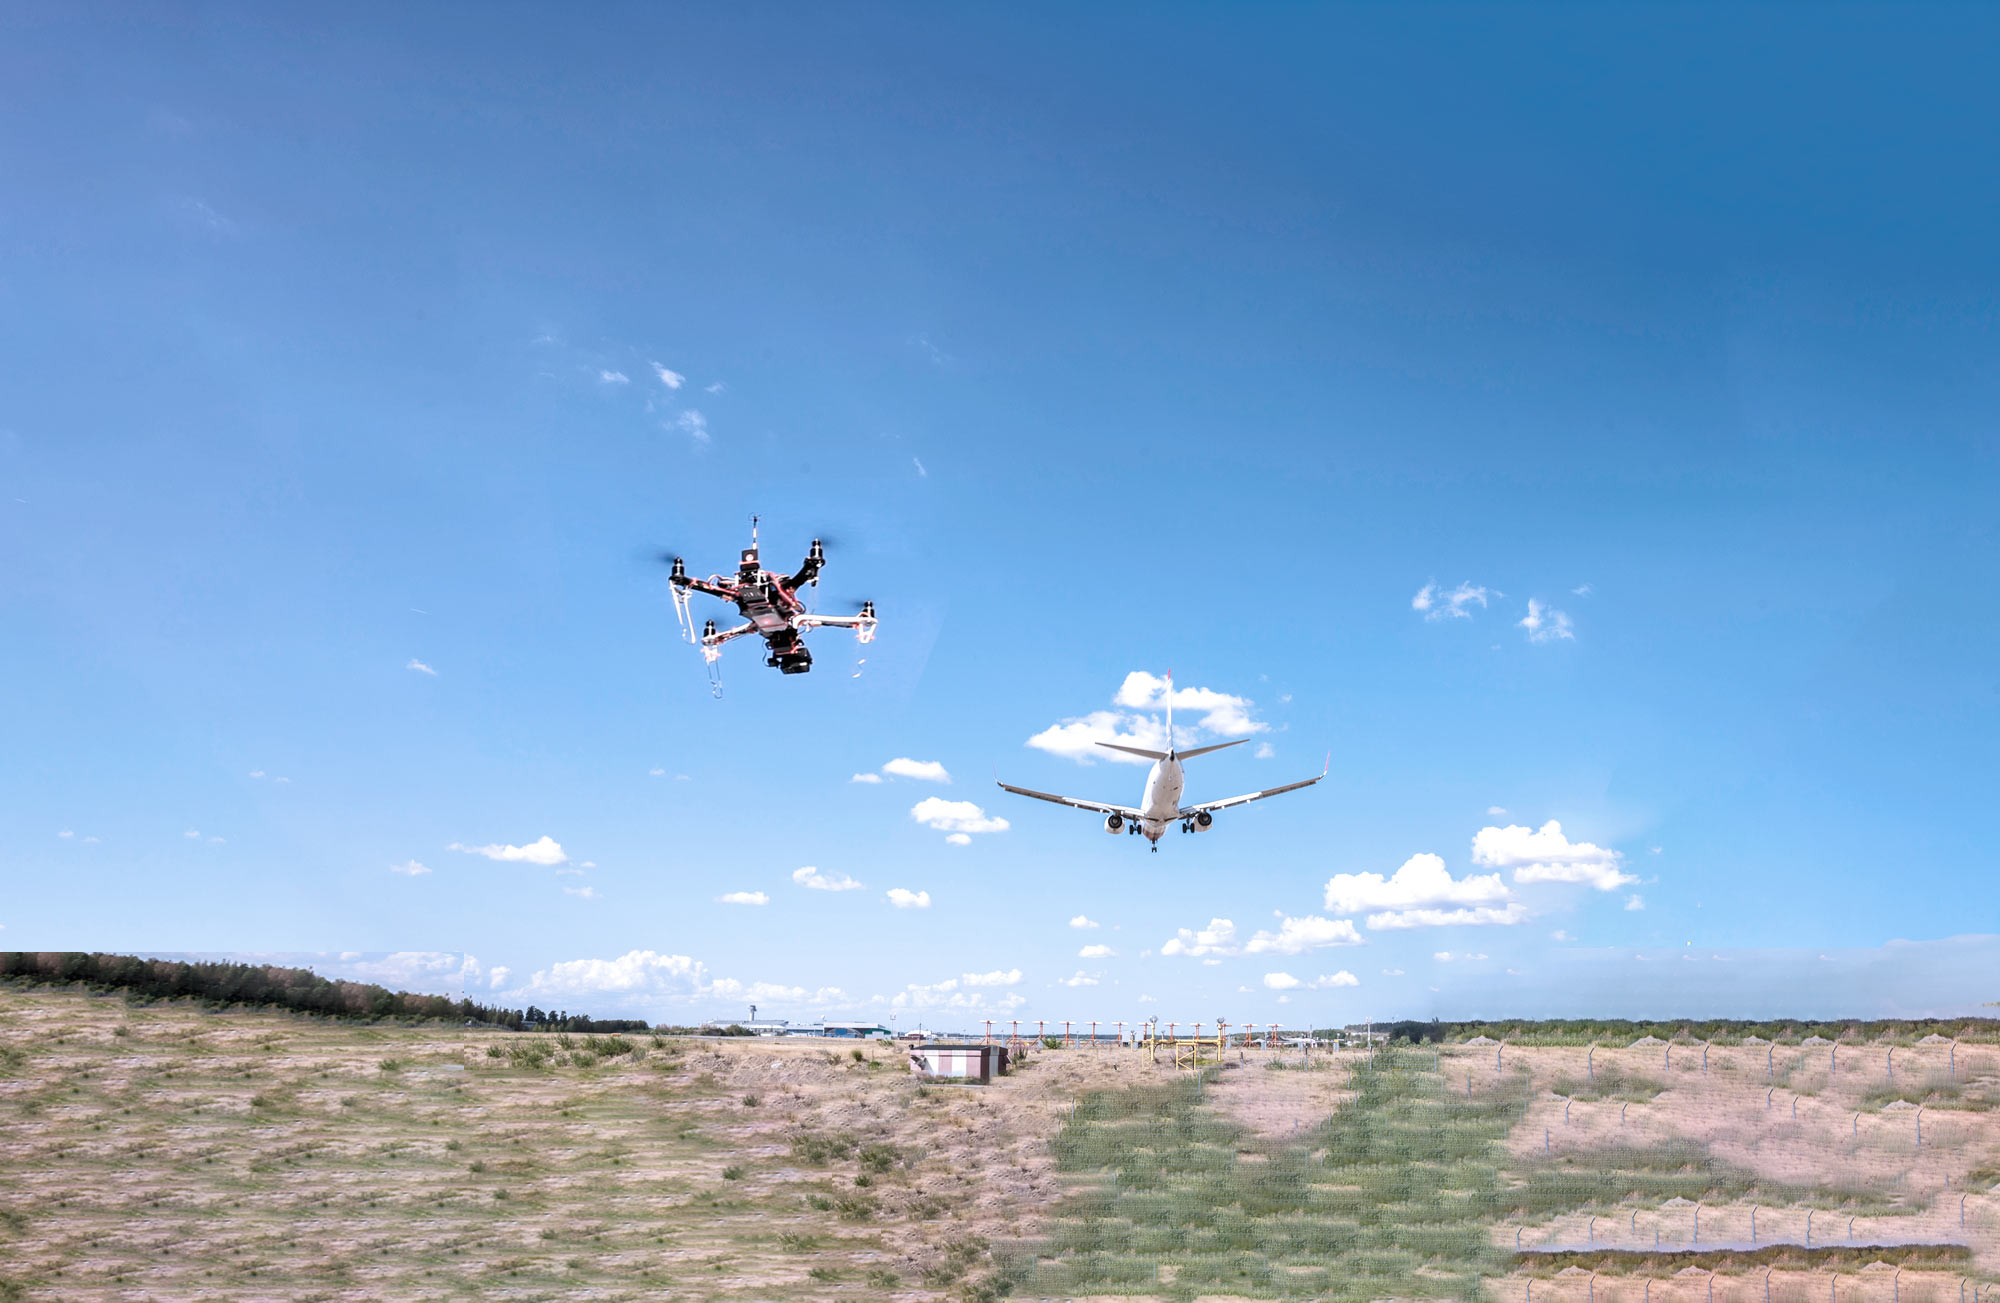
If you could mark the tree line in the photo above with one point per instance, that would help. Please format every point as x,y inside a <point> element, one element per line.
<point>271,986</point>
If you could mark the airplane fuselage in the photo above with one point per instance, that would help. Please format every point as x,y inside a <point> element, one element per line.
<point>1162,802</point>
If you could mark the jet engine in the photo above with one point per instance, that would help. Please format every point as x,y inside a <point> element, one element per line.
<point>1114,823</point>
<point>1202,821</point>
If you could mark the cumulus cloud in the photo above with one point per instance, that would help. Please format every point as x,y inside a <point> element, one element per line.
<point>499,976</point>
<point>1422,880</point>
<point>1097,952</point>
<point>671,379</point>
<point>955,816</point>
<point>1221,713</point>
<point>420,667</point>
<point>1297,935</point>
<point>610,377</point>
<point>635,972</point>
<point>1499,811</point>
<point>1482,916</point>
<point>1392,972</point>
<point>1281,981</point>
<point>817,881</point>
<point>1263,751</point>
<point>949,994</point>
<point>192,834</point>
<point>693,424</point>
<point>1544,623</point>
<point>743,898</point>
<point>1545,855</point>
<point>1084,921</point>
<point>925,771</point>
<point>1560,935</point>
<point>1635,901</point>
<point>1081,979</point>
<point>544,851</point>
<point>866,778</point>
<point>958,839</point>
<point>998,977</point>
<point>67,832</point>
<point>903,898</point>
<point>410,867</point>
<point>1204,712</point>
<point>1435,603</point>
<point>1218,938</point>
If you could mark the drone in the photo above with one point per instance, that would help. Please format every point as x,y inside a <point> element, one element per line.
<point>771,608</point>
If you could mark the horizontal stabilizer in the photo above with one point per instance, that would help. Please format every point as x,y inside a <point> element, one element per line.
<point>1202,751</point>
<point>1134,751</point>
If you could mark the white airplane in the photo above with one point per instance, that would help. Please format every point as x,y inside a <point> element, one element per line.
<point>1160,806</point>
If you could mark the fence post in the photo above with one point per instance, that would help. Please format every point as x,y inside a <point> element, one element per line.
<point>1590,1063</point>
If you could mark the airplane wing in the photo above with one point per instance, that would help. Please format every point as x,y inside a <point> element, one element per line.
<point>1189,811</point>
<point>1096,807</point>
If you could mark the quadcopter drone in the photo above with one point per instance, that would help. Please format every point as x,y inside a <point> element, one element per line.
<point>770,606</point>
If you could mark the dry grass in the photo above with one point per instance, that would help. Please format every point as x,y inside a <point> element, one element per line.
<point>168,1153</point>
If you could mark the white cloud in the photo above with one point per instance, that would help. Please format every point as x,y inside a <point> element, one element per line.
<point>958,839</point>
<point>1422,880</point>
<point>693,424</point>
<point>1097,952</point>
<point>216,841</point>
<point>67,832</point>
<point>1219,714</point>
<point>729,988</point>
<point>1392,972</point>
<point>610,377</point>
<point>1446,957</point>
<point>817,881</point>
<point>1545,855</point>
<point>998,977</point>
<point>1582,590</point>
<point>1148,999</point>
<point>918,462</point>
<point>1482,916</point>
<point>1263,751</point>
<point>955,816</point>
<point>1218,938</point>
<point>657,772</point>
<point>1081,979</point>
<point>1327,981</point>
<point>544,851</point>
<point>635,972</point>
<point>256,773</point>
<point>903,898</point>
<point>743,898</point>
<point>192,834</point>
<point>1076,739</point>
<point>582,893</point>
<point>926,771</point>
<point>1544,623</point>
<point>1438,604</point>
<point>90,841</point>
<point>715,388</point>
<point>569,873</point>
<point>866,778</point>
<point>671,379</point>
<point>1635,901</point>
<point>1085,922</point>
<point>420,667</point>
<point>1497,810</point>
<point>1560,935</point>
<point>1297,935</point>
<point>1281,981</point>
<point>411,867</point>
<point>500,975</point>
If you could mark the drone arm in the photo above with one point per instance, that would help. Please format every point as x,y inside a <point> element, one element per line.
<point>862,624</point>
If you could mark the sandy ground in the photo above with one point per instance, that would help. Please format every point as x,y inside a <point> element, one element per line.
<point>168,1153</point>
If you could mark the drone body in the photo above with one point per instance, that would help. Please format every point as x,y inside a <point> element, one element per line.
<point>771,608</point>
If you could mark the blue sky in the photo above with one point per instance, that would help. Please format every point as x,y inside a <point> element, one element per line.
<point>1100,344</point>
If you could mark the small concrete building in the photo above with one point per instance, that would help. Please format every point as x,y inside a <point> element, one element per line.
<point>962,1063</point>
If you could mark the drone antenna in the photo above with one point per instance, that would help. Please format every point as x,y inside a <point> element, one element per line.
<point>753,531</point>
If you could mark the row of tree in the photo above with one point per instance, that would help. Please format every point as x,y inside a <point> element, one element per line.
<point>268,985</point>
<point>1614,1031</point>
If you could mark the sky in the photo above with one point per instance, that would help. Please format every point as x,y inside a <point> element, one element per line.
<point>1574,430</point>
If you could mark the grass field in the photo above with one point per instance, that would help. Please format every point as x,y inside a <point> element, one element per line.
<point>166,1152</point>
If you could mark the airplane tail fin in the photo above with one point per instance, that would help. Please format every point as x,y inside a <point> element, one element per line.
<point>1202,751</point>
<point>1170,712</point>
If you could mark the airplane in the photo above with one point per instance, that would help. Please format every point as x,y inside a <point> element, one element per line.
<point>1160,806</point>
<point>770,605</point>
